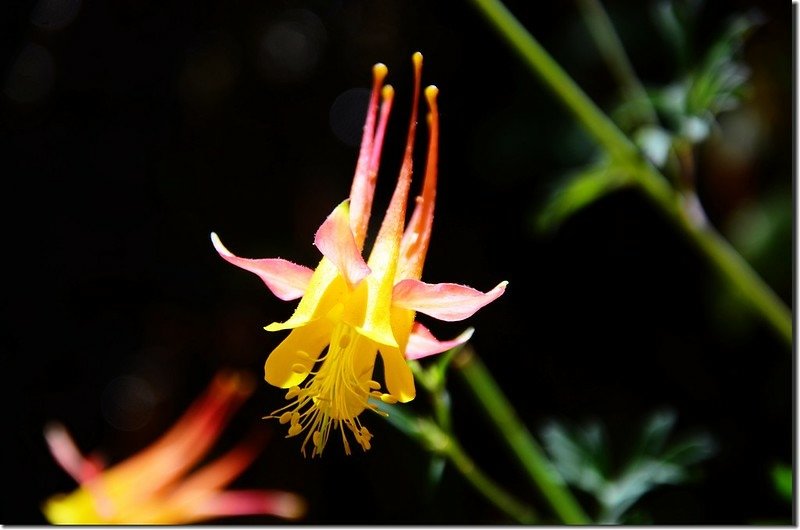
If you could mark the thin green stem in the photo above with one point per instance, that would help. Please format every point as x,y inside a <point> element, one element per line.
<point>612,50</point>
<point>466,466</point>
<point>432,437</point>
<point>731,266</point>
<point>519,439</point>
<point>599,126</point>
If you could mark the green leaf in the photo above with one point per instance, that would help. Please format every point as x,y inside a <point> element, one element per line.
<point>436,467</point>
<point>579,456</point>
<point>783,481</point>
<point>580,190</point>
<point>655,432</point>
<point>676,21</point>
<point>582,457</point>
<point>717,85</point>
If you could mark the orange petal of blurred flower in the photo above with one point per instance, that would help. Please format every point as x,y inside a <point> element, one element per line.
<point>162,483</point>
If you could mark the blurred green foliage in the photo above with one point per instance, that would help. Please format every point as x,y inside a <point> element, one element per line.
<point>583,457</point>
<point>783,481</point>
<point>666,121</point>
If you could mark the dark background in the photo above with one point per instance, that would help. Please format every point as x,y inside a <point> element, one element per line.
<point>133,128</point>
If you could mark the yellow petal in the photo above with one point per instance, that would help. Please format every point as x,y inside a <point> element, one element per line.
<point>288,364</point>
<point>399,379</point>
<point>324,290</point>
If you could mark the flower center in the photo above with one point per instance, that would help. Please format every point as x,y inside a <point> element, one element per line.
<point>336,393</point>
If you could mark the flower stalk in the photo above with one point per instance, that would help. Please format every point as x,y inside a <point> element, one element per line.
<point>517,437</point>
<point>437,440</point>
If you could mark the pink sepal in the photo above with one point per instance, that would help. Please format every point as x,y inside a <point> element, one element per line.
<point>336,242</point>
<point>68,456</point>
<point>422,343</point>
<point>286,280</point>
<point>252,502</point>
<point>445,301</point>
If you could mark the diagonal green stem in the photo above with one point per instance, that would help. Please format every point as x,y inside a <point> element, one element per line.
<point>729,263</point>
<point>597,123</point>
<point>466,466</point>
<point>613,52</point>
<point>430,436</point>
<point>518,438</point>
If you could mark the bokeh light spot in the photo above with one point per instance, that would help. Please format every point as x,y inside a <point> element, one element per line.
<point>291,46</point>
<point>128,403</point>
<point>347,115</point>
<point>55,14</point>
<point>31,76</point>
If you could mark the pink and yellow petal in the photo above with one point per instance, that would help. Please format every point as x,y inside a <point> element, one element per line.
<point>68,456</point>
<point>250,502</point>
<point>286,280</point>
<point>336,242</point>
<point>445,301</point>
<point>163,462</point>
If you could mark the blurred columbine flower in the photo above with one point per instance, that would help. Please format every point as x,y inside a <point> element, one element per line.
<point>157,485</point>
<point>356,308</point>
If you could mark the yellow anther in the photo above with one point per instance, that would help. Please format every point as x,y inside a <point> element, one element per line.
<point>387,92</point>
<point>317,438</point>
<point>344,341</point>
<point>388,398</point>
<point>294,391</point>
<point>295,417</point>
<point>303,354</point>
<point>285,417</point>
<point>299,368</point>
<point>373,385</point>
<point>295,429</point>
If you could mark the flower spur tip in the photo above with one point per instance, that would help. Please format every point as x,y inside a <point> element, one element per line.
<point>379,71</point>
<point>431,91</point>
<point>215,240</point>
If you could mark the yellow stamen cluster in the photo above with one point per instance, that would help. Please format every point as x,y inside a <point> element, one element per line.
<point>335,394</point>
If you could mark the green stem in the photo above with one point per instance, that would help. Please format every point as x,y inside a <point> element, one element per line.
<point>599,126</point>
<point>518,438</point>
<point>465,465</point>
<point>430,436</point>
<point>732,267</point>
<point>729,263</point>
<point>613,52</point>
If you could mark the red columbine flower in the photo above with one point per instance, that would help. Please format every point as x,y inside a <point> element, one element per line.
<point>152,486</point>
<point>359,308</point>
